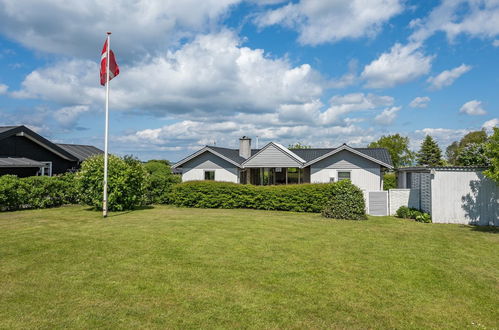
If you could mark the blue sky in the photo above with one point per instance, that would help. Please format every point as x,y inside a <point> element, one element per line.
<point>201,72</point>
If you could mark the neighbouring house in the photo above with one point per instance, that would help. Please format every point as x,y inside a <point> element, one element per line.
<point>26,153</point>
<point>453,194</point>
<point>275,164</point>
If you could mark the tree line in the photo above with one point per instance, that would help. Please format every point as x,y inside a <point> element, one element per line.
<point>473,149</point>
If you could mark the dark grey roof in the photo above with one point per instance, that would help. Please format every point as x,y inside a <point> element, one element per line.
<point>232,154</point>
<point>19,162</point>
<point>380,154</point>
<point>311,154</point>
<point>81,152</point>
<point>6,128</point>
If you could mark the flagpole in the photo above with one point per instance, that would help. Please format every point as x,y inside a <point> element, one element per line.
<point>106,130</point>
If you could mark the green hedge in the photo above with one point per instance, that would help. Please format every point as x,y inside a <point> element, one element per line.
<point>298,198</point>
<point>36,192</point>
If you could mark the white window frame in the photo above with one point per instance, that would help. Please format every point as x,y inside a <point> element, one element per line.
<point>343,171</point>
<point>46,170</point>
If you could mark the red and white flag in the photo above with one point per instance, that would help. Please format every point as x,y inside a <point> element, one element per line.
<point>114,70</point>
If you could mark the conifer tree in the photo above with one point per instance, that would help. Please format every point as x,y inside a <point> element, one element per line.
<point>429,153</point>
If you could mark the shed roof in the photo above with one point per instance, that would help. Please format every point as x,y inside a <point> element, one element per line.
<point>80,151</point>
<point>19,162</point>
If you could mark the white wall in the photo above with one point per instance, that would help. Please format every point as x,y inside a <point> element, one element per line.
<point>466,197</point>
<point>403,197</point>
<point>195,168</point>
<point>364,173</point>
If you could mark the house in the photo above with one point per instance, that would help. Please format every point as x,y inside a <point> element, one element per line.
<point>276,164</point>
<point>452,194</point>
<point>26,153</point>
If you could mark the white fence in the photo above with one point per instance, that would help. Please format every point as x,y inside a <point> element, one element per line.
<point>387,202</point>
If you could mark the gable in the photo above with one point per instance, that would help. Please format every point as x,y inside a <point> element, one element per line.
<point>24,140</point>
<point>272,156</point>
<point>21,146</point>
<point>345,159</point>
<point>207,161</point>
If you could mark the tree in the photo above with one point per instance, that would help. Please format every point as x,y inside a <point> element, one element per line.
<point>161,180</point>
<point>453,150</point>
<point>127,182</point>
<point>298,145</point>
<point>398,148</point>
<point>492,153</point>
<point>473,155</point>
<point>429,153</point>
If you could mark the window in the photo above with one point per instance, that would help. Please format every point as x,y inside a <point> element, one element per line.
<point>343,176</point>
<point>46,170</point>
<point>209,175</point>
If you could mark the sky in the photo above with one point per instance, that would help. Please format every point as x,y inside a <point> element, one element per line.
<point>204,72</point>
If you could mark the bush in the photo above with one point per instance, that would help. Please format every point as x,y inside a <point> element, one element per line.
<point>410,213</point>
<point>347,202</point>
<point>389,181</point>
<point>161,181</point>
<point>298,198</point>
<point>36,192</point>
<point>127,182</point>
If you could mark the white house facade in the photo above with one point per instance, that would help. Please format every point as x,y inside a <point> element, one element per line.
<point>275,164</point>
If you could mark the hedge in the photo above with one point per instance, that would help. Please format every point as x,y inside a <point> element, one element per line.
<point>36,192</point>
<point>298,198</point>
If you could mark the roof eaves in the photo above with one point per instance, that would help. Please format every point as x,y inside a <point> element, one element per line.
<point>199,152</point>
<point>346,147</point>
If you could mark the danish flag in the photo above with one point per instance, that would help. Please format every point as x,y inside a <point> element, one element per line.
<point>114,70</point>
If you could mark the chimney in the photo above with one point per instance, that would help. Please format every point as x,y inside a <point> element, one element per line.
<point>245,147</point>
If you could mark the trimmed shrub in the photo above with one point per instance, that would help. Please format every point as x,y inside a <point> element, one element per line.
<point>298,198</point>
<point>13,193</point>
<point>347,202</point>
<point>410,213</point>
<point>36,192</point>
<point>127,182</point>
<point>161,181</point>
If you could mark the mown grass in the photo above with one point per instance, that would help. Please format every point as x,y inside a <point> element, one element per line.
<point>195,268</point>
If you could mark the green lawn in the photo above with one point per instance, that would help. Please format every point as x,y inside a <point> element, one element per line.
<point>195,268</point>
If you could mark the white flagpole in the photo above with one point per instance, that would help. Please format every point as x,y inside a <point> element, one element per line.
<point>106,130</point>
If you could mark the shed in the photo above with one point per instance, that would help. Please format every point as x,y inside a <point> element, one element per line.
<point>453,194</point>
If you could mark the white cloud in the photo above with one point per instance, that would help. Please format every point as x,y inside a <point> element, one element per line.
<point>420,102</point>
<point>447,77</point>
<point>3,89</point>
<point>495,43</point>
<point>476,18</point>
<point>388,116</point>
<point>490,124</point>
<point>68,116</point>
<point>341,105</point>
<point>473,107</point>
<point>402,64</point>
<point>319,21</point>
<point>211,76</point>
<point>136,25</point>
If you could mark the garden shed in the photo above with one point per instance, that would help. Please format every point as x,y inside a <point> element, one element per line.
<point>453,194</point>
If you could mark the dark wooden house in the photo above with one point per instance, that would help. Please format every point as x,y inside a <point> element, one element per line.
<point>26,153</point>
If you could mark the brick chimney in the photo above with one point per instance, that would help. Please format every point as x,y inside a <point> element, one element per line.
<point>245,147</point>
